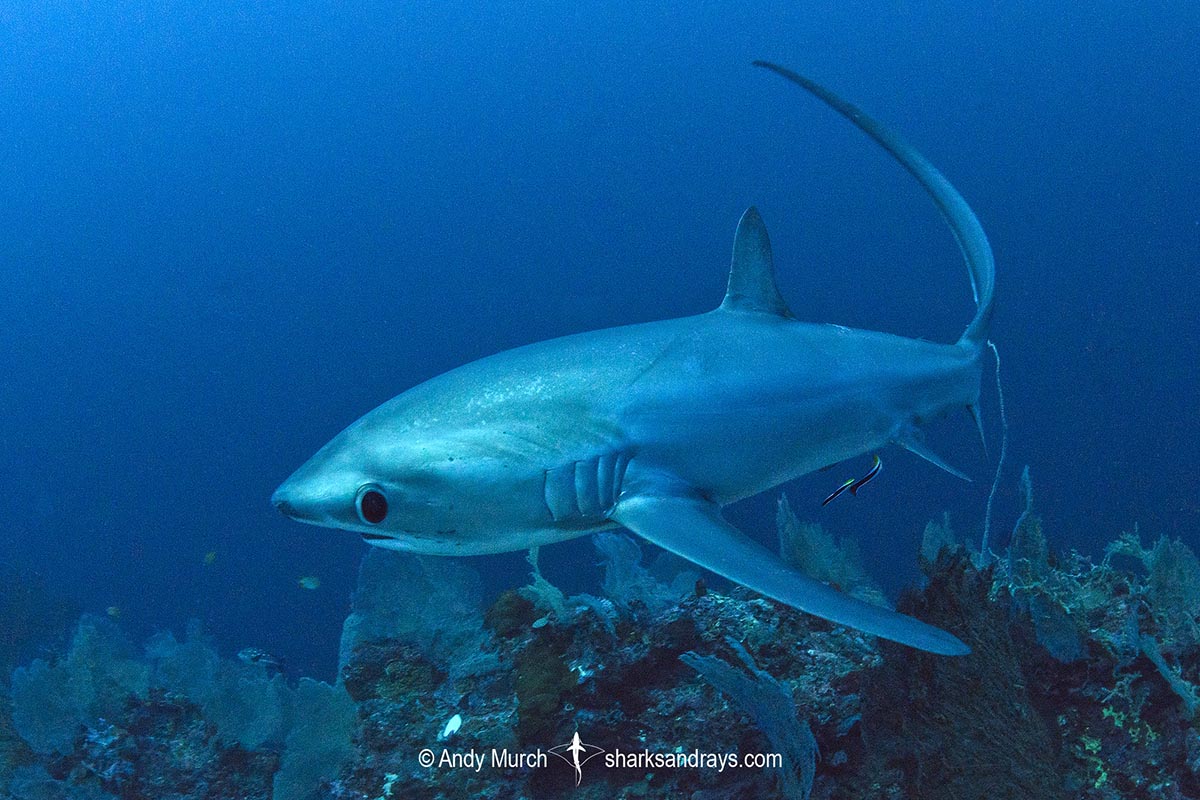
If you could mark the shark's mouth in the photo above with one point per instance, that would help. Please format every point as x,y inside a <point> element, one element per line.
<point>298,513</point>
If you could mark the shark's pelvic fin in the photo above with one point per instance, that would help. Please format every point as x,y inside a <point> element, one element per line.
<point>752,273</point>
<point>690,526</point>
<point>912,441</point>
<point>962,220</point>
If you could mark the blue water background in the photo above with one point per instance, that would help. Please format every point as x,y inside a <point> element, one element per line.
<point>231,228</point>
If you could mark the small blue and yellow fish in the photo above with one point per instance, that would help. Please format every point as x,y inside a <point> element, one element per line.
<point>854,485</point>
<point>849,482</point>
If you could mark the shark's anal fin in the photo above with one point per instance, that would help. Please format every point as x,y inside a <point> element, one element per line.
<point>752,272</point>
<point>691,526</point>
<point>914,442</point>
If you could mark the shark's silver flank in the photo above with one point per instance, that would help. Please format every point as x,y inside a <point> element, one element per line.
<point>655,427</point>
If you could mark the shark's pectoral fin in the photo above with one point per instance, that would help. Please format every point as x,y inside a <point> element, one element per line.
<point>914,442</point>
<point>690,526</point>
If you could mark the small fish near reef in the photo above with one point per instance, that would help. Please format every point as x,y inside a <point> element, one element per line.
<point>855,484</point>
<point>654,427</point>
<point>310,582</point>
<point>260,658</point>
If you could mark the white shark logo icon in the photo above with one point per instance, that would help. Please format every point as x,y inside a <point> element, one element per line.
<point>576,754</point>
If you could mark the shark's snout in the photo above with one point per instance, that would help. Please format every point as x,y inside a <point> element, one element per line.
<point>291,504</point>
<point>283,504</point>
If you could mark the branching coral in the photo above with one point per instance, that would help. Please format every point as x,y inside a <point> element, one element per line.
<point>770,703</point>
<point>53,702</point>
<point>248,707</point>
<point>936,537</point>
<point>401,596</point>
<point>1185,691</point>
<point>959,727</point>
<point>545,596</point>
<point>1171,587</point>
<point>625,579</point>
<point>319,742</point>
<point>814,551</point>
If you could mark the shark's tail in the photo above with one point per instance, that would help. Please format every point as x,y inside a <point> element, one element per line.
<point>965,226</point>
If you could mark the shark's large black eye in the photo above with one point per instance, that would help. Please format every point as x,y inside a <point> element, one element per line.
<point>372,506</point>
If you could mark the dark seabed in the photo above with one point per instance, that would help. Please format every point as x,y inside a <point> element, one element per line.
<point>231,229</point>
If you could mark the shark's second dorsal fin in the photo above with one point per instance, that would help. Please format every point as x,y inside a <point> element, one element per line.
<point>752,273</point>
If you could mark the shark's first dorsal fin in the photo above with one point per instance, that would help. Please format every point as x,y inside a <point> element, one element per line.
<point>752,273</point>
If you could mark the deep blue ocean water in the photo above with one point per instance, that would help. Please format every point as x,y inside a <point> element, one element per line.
<point>232,228</point>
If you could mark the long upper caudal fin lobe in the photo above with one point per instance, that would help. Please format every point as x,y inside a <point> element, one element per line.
<point>690,526</point>
<point>962,220</point>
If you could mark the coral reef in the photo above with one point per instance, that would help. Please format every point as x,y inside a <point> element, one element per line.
<point>958,727</point>
<point>769,702</point>
<point>815,552</point>
<point>33,617</point>
<point>178,722</point>
<point>51,702</point>
<point>1082,683</point>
